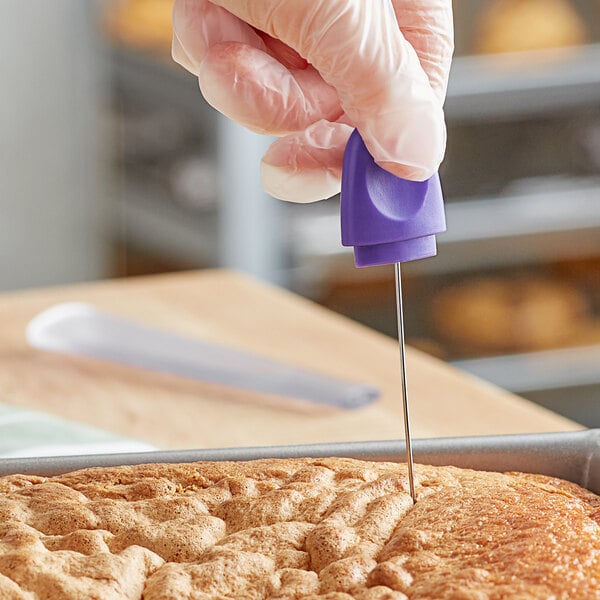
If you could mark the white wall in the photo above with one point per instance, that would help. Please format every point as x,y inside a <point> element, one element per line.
<point>51,209</point>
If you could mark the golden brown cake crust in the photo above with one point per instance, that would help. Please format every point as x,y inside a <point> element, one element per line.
<point>330,529</point>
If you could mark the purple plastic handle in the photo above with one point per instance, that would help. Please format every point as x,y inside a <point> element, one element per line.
<point>386,218</point>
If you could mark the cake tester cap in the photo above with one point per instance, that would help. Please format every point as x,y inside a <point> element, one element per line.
<point>386,218</point>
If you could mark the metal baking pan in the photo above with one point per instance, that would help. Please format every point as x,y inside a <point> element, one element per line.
<point>574,456</point>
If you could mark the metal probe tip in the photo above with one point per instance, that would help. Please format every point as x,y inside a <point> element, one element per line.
<point>407,436</point>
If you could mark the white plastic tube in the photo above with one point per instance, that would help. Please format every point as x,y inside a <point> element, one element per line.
<point>81,329</point>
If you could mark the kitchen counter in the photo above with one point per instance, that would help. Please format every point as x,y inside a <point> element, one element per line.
<point>234,310</point>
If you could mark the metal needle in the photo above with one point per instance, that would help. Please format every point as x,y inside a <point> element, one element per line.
<point>407,436</point>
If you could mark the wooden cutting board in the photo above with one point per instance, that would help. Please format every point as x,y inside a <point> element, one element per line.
<point>235,310</point>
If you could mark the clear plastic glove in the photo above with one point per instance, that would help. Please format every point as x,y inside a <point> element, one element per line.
<point>312,70</point>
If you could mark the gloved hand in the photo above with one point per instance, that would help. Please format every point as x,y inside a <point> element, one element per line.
<point>311,70</point>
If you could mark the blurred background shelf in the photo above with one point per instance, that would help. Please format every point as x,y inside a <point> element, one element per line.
<point>546,370</point>
<point>562,219</point>
<point>565,380</point>
<point>153,80</point>
<point>518,85</point>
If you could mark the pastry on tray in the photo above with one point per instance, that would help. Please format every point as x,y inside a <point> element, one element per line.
<point>143,24</point>
<point>520,25</point>
<point>331,529</point>
<point>503,314</point>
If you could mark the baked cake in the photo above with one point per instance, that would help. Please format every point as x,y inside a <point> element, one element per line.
<point>330,529</point>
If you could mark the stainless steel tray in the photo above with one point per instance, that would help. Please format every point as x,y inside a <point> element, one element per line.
<point>574,456</point>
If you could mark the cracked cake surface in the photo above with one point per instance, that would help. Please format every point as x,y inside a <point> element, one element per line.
<point>330,529</point>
